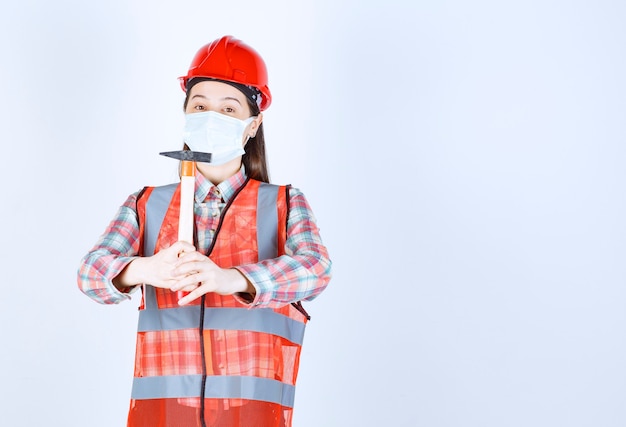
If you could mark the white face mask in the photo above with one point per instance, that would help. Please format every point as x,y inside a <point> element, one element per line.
<point>215,133</point>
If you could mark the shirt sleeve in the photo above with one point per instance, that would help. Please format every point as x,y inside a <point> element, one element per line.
<point>305,269</point>
<point>114,250</point>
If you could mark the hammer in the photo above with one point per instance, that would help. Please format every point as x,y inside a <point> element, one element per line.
<point>188,161</point>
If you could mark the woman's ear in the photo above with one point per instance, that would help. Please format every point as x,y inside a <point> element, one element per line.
<point>254,125</point>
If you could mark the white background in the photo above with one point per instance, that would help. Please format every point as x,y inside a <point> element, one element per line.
<point>465,161</point>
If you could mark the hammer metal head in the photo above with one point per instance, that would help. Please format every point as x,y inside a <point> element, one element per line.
<point>187,155</point>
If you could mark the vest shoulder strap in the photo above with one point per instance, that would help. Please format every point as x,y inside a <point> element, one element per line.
<point>152,206</point>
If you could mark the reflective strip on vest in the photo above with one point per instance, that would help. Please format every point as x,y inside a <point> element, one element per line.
<point>263,320</point>
<point>266,221</point>
<point>219,387</point>
<point>156,208</point>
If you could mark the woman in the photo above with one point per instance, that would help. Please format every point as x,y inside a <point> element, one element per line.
<point>220,323</point>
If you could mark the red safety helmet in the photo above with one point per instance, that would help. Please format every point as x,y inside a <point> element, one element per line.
<point>231,60</point>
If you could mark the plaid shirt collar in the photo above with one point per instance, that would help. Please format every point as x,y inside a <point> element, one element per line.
<point>224,190</point>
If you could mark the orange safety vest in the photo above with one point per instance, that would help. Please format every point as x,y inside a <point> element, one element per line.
<point>216,362</point>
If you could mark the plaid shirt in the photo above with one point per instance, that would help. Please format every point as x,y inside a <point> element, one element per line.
<point>301,274</point>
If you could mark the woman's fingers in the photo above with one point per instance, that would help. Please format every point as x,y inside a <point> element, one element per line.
<point>197,293</point>
<point>189,288</point>
<point>197,274</point>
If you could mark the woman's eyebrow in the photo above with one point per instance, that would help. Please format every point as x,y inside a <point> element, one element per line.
<point>226,98</point>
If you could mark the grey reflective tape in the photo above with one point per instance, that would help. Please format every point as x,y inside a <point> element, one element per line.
<point>267,221</point>
<point>217,387</point>
<point>156,208</point>
<point>149,299</point>
<point>251,388</point>
<point>263,320</point>
<point>169,319</point>
<point>166,387</point>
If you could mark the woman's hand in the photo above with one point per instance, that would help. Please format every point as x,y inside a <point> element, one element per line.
<point>198,275</point>
<point>156,270</point>
<point>181,268</point>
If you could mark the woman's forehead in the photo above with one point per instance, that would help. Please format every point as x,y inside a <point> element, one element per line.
<point>215,89</point>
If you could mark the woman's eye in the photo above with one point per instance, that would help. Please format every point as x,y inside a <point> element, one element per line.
<point>229,109</point>
<point>199,107</point>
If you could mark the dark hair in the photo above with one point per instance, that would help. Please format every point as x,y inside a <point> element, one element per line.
<point>254,159</point>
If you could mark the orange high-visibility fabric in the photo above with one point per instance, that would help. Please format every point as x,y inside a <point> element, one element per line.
<point>169,413</point>
<point>227,352</point>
